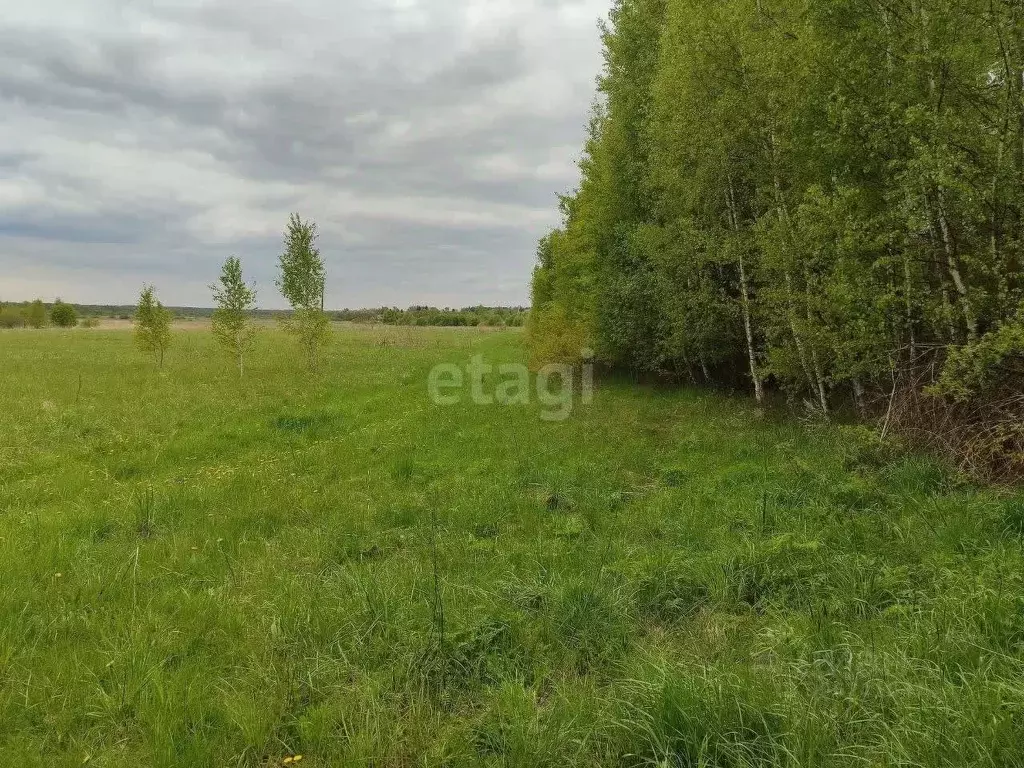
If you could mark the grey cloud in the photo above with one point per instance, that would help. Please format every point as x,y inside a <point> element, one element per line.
<point>428,140</point>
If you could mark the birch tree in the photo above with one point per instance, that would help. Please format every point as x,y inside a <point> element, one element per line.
<point>302,280</point>
<point>152,325</point>
<point>232,319</point>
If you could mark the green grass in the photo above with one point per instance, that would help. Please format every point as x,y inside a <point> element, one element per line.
<point>200,572</point>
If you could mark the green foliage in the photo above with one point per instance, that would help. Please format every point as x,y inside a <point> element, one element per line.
<point>302,281</point>
<point>811,193</point>
<point>978,367</point>
<point>496,317</point>
<point>302,275</point>
<point>232,322</point>
<point>62,315</point>
<point>312,328</point>
<point>555,337</point>
<point>35,316</point>
<point>12,317</point>
<point>152,325</point>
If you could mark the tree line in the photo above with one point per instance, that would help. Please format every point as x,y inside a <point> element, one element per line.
<point>36,314</point>
<point>821,197</point>
<point>494,317</point>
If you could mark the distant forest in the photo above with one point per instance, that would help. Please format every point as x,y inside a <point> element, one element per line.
<point>17,314</point>
<point>508,317</point>
<point>819,198</point>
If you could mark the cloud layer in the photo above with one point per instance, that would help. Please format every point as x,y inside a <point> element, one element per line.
<point>147,141</point>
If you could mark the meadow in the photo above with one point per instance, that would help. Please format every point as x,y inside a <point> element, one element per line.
<point>201,571</point>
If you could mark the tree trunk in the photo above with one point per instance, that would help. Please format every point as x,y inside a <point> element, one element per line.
<point>748,329</point>
<point>818,377</point>
<point>755,376</point>
<point>952,262</point>
<point>1009,77</point>
<point>907,290</point>
<point>1003,289</point>
<point>858,396</point>
<point>813,375</point>
<point>797,339</point>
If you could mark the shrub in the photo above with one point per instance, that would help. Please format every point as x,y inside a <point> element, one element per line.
<point>555,337</point>
<point>36,314</point>
<point>63,315</point>
<point>11,317</point>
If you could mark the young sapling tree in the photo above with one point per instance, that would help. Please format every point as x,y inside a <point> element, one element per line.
<point>152,325</point>
<point>301,282</point>
<point>232,320</point>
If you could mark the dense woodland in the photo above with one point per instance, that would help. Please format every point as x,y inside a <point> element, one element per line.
<point>822,198</point>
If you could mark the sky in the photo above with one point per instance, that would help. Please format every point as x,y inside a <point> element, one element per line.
<point>145,141</point>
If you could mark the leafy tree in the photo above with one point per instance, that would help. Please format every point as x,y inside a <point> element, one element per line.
<point>152,325</point>
<point>807,194</point>
<point>62,315</point>
<point>36,314</point>
<point>302,281</point>
<point>232,323</point>
<point>302,278</point>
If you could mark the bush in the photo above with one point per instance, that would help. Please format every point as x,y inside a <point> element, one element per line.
<point>11,317</point>
<point>63,315</point>
<point>555,337</point>
<point>981,367</point>
<point>35,315</point>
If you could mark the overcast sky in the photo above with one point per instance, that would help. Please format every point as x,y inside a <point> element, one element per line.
<point>145,141</point>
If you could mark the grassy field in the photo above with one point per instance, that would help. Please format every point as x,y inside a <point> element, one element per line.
<point>200,572</point>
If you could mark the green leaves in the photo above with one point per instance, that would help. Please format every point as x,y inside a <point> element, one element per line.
<point>301,281</point>
<point>152,325</point>
<point>36,314</point>
<point>812,192</point>
<point>302,275</point>
<point>232,323</point>
<point>62,314</point>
